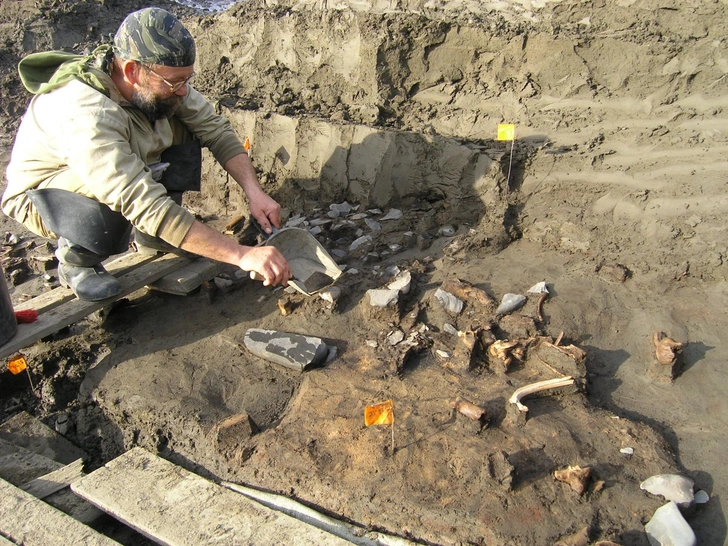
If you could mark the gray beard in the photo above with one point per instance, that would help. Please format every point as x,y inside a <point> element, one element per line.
<point>155,109</point>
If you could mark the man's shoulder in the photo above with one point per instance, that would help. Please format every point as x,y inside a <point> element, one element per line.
<point>76,95</point>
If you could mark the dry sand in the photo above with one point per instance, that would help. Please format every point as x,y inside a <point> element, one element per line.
<point>614,194</point>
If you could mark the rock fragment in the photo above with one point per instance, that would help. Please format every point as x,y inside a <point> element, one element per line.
<point>673,487</point>
<point>668,528</point>
<point>510,303</point>
<point>296,351</point>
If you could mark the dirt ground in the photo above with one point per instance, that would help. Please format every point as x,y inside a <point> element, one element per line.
<point>613,193</point>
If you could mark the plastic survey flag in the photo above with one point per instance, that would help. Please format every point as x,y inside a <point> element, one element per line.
<point>17,364</point>
<point>247,144</point>
<point>506,131</point>
<point>380,414</point>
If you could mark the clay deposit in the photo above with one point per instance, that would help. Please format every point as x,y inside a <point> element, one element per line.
<point>613,193</point>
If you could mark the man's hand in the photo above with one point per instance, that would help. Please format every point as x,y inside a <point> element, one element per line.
<point>268,263</point>
<point>265,210</point>
<point>263,207</point>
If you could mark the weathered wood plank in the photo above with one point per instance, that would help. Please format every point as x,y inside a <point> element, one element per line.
<point>59,296</point>
<point>31,522</point>
<point>187,278</point>
<point>25,430</point>
<point>74,310</point>
<point>48,484</point>
<point>173,506</point>
<point>19,465</point>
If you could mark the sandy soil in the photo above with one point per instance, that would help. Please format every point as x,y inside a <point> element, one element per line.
<point>614,194</point>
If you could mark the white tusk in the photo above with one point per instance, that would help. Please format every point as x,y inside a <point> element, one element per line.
<point>536,387</point>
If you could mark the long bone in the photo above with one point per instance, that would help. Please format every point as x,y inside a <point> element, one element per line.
<point>537,387</point>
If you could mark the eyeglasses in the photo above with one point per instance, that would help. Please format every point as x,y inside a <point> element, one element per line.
<point>173,87</point>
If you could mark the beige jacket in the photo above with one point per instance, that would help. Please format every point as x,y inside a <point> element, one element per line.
<point>78,139</point>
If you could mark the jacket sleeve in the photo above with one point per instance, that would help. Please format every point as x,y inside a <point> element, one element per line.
<point>214,131</point>
<point>95,145</point>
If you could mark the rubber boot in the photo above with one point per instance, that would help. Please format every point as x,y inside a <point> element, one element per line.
<point>80,270</point>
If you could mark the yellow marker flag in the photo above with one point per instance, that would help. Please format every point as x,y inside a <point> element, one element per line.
<point>506,131</point>
<point>380,414</point>
<point>17,364</point>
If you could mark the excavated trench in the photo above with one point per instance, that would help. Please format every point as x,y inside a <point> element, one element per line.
<point>397,106</point>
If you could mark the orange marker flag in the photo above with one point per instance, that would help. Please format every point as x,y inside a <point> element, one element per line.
<point>506,131</point>
<point>17,364</point>
<point>246,145</point>
<point>380,414</point>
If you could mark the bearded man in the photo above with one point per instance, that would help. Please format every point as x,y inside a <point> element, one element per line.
<point>109,143</point>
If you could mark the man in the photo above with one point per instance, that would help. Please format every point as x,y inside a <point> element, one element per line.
<point>111,141</point>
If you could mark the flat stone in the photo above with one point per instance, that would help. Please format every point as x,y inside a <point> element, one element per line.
<point>668,527</point>
<point>382,297</point>
<point>673,487</point>
<point>295,351</point>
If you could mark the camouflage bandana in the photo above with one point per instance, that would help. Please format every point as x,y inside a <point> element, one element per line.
<point>154,36</point>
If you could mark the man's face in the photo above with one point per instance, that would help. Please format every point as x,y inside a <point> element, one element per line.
<point>154,95</point>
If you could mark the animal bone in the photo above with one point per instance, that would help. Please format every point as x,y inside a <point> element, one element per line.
<point>506,351</point>
<point>537,387</point>
<point>666,349</point>
<point>576,476</point>
<point>468,409</point>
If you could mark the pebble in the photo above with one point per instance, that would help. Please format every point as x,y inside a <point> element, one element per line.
<point>330,294</point>
<point>510,303</point>
<point>450,329</point>
<point>373,224</point>
<point>446,231</point>
<point>401,282</point>
<point>394,214</point>
<point>382,298</point>
<point>448,301</point>
<point>668,528</point>
<point>395,337</point>
<point>539,288</point>
<point>701,497</point>
<point>363,240</point>
<point>627,450</point>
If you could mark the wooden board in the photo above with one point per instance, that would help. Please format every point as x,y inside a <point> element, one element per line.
<point>74,310</point>
<point>187,278</point>
<point>58,296</point>
<point>46,485</point>
<point>25,430</point>
<point>31,522</point>
<point>173,506</point>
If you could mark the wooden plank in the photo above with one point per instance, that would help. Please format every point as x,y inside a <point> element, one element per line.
<point>186,279</point>
<point>48,484</point>
<point>74,310</point>
<point>31,522</point>
<point>22,429</point>
<point>19,465</point>
<point>58,296</point>
<point>173,506</point>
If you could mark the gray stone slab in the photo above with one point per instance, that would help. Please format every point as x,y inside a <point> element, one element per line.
<point>173,506</point>
<point>31,522</point>
<point>296,351</point>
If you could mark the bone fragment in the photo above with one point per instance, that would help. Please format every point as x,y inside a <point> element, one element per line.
<point>537,387</point>
<point>666,349</point>
<point>576,476</point>
<point>468,409</point>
